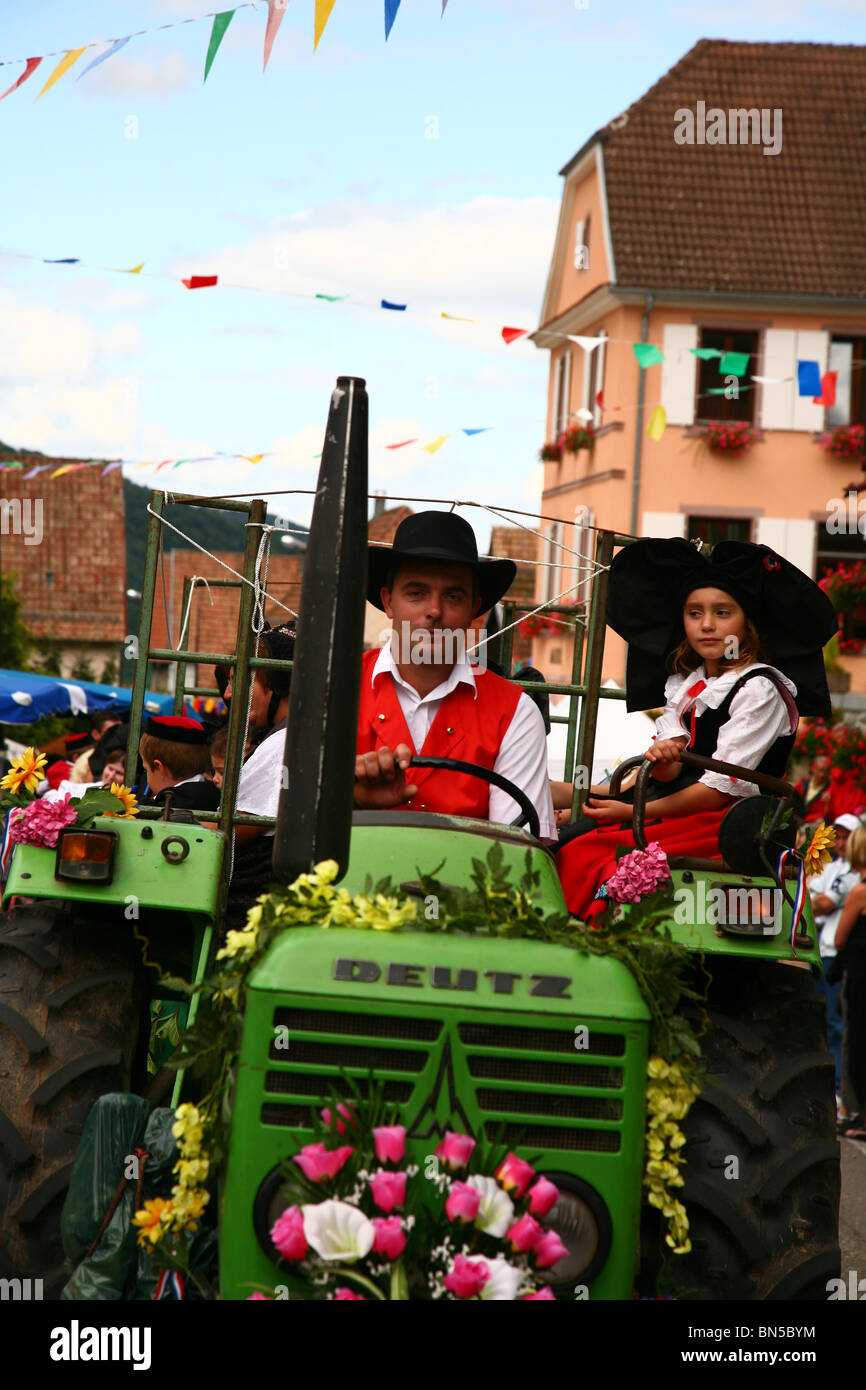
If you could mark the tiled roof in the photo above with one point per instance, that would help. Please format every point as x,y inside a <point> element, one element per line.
<point>729,218</point>
<point>383,527</point>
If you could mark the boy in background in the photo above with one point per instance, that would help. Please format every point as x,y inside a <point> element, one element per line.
<point>217,750</point>
<point>175,756</point>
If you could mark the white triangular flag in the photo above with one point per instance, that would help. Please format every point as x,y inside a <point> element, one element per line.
<point>583,414</point>
<point>771,380</point>
<point>586,343</point>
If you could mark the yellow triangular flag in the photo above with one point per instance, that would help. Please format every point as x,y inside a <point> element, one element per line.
<point>63,66</point>
<point>58,471</point>
<point>323,14</point>
<point>456,318</point>
<point>253,458</point>
<point>658,422</point>
<point>436,444</point>
<point>135,270</point>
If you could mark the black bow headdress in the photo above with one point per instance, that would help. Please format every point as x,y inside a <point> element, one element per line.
<point>651,579</point>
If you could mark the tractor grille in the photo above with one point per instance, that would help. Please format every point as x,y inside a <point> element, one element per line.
<point>563,1101</point>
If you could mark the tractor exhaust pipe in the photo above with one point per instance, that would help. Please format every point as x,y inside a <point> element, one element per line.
<point>315,813</point>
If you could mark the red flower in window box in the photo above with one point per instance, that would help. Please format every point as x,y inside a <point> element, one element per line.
<point>551,453</point>
<point>729,436</point>
<point>846,442</point>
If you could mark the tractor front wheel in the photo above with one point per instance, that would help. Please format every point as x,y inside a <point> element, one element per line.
<point>73,998</point>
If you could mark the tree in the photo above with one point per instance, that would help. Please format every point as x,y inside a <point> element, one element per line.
<point>15,640</point>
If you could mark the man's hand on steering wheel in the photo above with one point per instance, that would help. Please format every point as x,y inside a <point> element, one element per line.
<point>380,778</point>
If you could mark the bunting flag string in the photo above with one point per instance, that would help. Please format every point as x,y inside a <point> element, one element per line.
<point>221,21</point>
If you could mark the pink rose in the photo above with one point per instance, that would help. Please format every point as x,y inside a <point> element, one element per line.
<point>542,1196</point>
<point>463,1202</point>
<point>455,1150</point>
<point>390,1238</point>
<point>347,1111</point>
<point>542,1296</point>
<point>524,1234</point>
<point>258,1298</point>
<point>389,1190</point>
<point>548,1249</point>
<point>390,1141</point>
<point>318,1162</point>
<point>467,1277</point>
<point>287,1233</point>
<point>514,1174</point>
<point>346,1296</point>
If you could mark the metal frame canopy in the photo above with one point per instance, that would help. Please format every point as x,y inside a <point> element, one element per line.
<point>314,818</point>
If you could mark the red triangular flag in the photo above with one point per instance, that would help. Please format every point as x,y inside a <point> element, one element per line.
<point>402,444</point>
<point>32,65</point>
<point>828,390</point>
<point>598,401</point>
<point>509,334</point>
<point>199,282</point>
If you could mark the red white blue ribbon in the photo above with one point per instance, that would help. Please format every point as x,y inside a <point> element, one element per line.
<point>169,1286</point>
<point>8,846</point>
<point>799,892</point>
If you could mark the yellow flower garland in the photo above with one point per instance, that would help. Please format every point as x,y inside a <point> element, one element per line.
<point>669,1098</point>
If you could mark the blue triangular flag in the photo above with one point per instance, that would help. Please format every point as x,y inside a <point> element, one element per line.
<point>481,431</point>
<point>808,379</point>
<point>386,304</point>
<point>109,53</point>
<point>63,260</point>
<point>391,8</point>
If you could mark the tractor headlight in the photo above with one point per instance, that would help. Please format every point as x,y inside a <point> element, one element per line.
<point>582,1222</point>
<point>85,855</point>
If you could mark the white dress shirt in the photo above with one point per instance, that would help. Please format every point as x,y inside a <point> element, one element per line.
<point>262,778</point>
<point>759,714</point>
<point>522,756</point>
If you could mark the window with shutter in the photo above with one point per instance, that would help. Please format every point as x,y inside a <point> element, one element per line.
<point>553,558</point>
<point>723,395</point>
<point>584,550</point>
<point>562,392</point>
<point>848,360</point>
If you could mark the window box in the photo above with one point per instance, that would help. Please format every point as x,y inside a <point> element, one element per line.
<point>729,437</point>
<point>845,442</point>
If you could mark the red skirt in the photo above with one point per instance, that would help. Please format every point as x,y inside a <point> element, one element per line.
<point>586,863</point>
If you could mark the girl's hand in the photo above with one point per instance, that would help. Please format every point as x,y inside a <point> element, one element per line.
<point>666,750</point>
<point>607,812</point>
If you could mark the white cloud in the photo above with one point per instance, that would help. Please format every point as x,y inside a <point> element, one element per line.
<point>434,259</point>
<point>39,342</point>
<point>148,70</point>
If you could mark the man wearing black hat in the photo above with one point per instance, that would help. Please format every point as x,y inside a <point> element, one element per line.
<point>422,694</point>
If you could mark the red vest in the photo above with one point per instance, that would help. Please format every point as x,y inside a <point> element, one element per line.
<point>469,726</point>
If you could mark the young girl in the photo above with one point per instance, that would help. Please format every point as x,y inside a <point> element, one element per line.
<point>731,642</point>
<point>851,958</point>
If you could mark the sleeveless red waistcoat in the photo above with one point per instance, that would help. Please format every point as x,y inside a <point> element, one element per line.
<point>467,725</point>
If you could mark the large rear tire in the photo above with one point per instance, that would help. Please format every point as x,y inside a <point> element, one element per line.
<point>73,999</point>
<point>762,1176</point>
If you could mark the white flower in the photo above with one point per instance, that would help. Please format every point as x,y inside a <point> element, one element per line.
<point>496,1212</point>
<point>337,1231</point>
<point>504,1281</point>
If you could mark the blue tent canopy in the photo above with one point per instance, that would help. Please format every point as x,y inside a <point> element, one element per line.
<point>25,698</point>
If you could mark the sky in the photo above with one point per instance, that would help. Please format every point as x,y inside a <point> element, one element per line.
<point>423,170</point>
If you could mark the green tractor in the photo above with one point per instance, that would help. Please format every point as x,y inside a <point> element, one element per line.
<point>457,1032</point>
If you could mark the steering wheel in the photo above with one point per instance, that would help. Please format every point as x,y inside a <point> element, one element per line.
<point>529,814</point>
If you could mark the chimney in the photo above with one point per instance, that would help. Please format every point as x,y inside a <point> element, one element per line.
<point>378,505</point>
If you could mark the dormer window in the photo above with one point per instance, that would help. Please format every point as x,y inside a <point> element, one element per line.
<point>581,244</point>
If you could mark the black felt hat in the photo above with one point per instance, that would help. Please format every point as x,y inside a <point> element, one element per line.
<point>445,537</point>
<point>651,579</point>
<point>175,728</point>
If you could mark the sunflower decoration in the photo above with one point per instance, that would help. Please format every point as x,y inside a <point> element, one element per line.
<point>127,798</point>
<point>818,851</point>
<point>152,1220</point>
<point>26,773</point>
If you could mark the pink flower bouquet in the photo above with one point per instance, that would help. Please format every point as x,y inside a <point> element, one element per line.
<point>41,822</point>
<point>364,1223</point>
<point>638,874</point>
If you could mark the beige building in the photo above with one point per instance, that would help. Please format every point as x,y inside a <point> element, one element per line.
<point>738,256</point>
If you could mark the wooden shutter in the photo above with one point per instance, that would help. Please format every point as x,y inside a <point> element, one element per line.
<point>597,381</point>
<point>679,373</point>
<point>780,352</point>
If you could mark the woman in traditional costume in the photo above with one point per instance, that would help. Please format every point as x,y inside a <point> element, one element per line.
<point>730,642</point>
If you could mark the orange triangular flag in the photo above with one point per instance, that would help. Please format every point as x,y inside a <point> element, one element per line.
<point>323,14</point>
<point>63,66</point>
